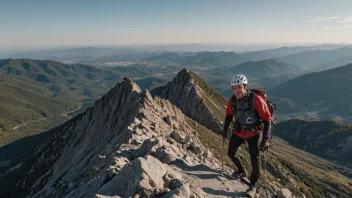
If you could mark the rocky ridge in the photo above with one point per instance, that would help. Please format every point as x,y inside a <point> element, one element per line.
<point>129,144</point>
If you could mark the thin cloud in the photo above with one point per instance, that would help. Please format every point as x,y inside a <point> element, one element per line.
<point>346,20</point>
<point>339,19</point>
<point>324,18</point>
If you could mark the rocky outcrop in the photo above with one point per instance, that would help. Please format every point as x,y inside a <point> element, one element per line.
<point>191,95</point>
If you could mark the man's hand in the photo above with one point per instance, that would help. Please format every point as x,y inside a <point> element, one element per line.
<point>264,145</point>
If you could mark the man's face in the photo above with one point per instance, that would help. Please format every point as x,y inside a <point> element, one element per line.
<point>239,91</point>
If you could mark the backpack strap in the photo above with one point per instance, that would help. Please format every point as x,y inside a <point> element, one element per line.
<point>251,104</point>
<point>233,103</point>
<point>251,100</point>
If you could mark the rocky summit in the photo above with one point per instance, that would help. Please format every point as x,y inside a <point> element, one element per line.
<point>195,98</point>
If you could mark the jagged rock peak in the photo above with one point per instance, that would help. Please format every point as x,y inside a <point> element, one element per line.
<point>129,83</point>
<point>184,71</point>
<point>191,94</point>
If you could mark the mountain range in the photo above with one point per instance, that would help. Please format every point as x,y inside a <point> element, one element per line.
<point>313,58</point>
<point>139,143</point>
<point>325,94</point>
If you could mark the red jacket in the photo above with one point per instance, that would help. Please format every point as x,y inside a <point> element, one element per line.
<point>263,111</point>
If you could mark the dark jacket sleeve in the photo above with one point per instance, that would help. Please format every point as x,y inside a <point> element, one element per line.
<point>229,116</point>
<point>266,130</point>
<point>227,122</point>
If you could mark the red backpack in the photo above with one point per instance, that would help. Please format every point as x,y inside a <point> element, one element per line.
<point>271,106</point>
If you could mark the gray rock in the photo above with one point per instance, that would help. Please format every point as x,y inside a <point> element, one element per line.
<point>193,145</point>
<point>145,174</point>
<point>175,183</point>
<point>187,139</point>
<point>206,153</point>
<point>181,192</point>
<point>146,148</point>
<point>171,122</point>
<point>176,134</point>
<point>166,158</point>
<point>197,150</point>
<point>284,193</point>
<point>170,140</point>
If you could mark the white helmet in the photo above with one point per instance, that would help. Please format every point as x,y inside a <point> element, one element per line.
<point>239,79</point>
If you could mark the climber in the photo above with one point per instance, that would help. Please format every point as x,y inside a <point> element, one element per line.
<point>252,124</point>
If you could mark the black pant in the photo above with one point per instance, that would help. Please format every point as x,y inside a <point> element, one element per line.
<point>253,144</point>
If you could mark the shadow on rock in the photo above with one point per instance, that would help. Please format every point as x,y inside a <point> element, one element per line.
<point>201,167</point>
<point>223,193</point>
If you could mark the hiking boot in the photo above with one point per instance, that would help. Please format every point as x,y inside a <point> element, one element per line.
<point>239,174</point>
<point>252,190</point>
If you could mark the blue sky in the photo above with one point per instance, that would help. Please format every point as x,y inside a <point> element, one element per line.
<point>106,22</point>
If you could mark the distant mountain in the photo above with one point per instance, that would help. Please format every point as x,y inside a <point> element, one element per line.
<point>261,74</point>
<point>151,82</point>
<point>270,82</point>
<point>101,56</point>
<point>72,82</point>
<point>60,54</point>
<point>209,59</point>
<point>85,55</point>
<point>332,64</point>
<point>328,139</point>
<point>169,58</point>
<point>51,71</point>
<point>327,93</point>
<point>285,51</point>
<point>215,59</point>
<point>313,58</point>
<point>24,100</point>
<point>262,69</point>
<point>37,95</point>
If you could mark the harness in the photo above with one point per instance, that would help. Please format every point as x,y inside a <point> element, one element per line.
<point>247,116</point>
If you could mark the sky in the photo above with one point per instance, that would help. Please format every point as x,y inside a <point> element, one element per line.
<point>36,23</point>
